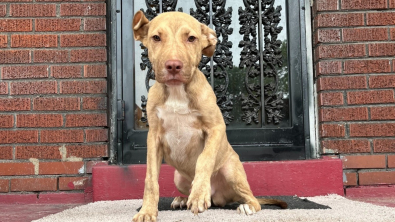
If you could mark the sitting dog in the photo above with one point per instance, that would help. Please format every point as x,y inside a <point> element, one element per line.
<point>186,125</point>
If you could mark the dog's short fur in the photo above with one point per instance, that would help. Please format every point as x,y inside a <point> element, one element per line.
<point>186,126</point>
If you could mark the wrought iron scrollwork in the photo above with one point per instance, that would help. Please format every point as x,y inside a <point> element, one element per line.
<point>271,57</point>
<point>272,60</point>
<point>249,58</point>
<point>151,12</point>
<point>222,57</point>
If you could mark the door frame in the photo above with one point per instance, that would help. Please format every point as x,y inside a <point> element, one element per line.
<point>116,106</point>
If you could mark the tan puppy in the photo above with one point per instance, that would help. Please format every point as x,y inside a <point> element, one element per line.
<point>186,126</point>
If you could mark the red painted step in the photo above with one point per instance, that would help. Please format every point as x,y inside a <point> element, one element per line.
<point>301,178</point>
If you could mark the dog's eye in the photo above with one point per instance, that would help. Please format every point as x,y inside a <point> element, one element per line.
<point>191,38</point>
<point>156,38</point>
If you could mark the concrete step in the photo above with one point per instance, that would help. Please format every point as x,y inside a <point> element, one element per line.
<point>274,178</point>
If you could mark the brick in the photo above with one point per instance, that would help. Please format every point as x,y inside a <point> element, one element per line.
<point>34,184</point>
<point>87,151</point>
<point>80,40</point>
<point>24,72</point>
<point>56,104</point>
<point>363,162</point>
<point>20,136</point>
<point>31,88</point>
<point>363,4</point>
<point>73,183</point>
<point>53,168</point>
<point>4,185</point>
<point>14,56</point>
<point>94,71</point>
<point>34,41</point>
<point>372,129</point>
<point>327,35</point>
<point>370,97</point>
<point>392,3</point>
<point>77,120</point>
<point>16,25</point>
<point>91,164</point>
<point>344,114</point>
<point>339,20</point>
<point>376,178</point>
<point>367,66</point>
<point>382,49</point>
<point>6,152</point>
<point>38,152</point>
<point>94,103</point>
<point>382,113</point>
<point>3,10</point>
<point>340,51</point>
<point>391,161</point>
<point>345,146</point>
<point>382,81</point>
<point>14,104</point>
<point>66,71</point>
<point>330,99</point>
<point>62,136</point>
<point>351,179</point>
<point>16,0</point>
<point>88,55</point>
<point>3,89</point>
<point>96,135</point>
<point>329,67</point>
<point>39,120</point>
<point>32,10</point>
<point>3,41</point>
<point>51,56</point>
<point>365,34</point>
<point>94,24</point>
<point>383,145</point>
<point>348,82</point>
<point>82,9</point>
<point>326,5</point>
<point>392,33</point>
<point>332,130</point>
<point>380,18</point>
<point>6,121</point>
<point>78,87</point>
<point>55,25</point>
<point>16,169</point>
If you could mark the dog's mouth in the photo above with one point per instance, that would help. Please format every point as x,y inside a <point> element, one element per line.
<point>173,82</point>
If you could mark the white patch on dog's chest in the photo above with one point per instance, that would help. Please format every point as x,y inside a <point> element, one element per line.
<point>178,120</point>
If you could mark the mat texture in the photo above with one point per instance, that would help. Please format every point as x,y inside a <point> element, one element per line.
<point>341,209</point>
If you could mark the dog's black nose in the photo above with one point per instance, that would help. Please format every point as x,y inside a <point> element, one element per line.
<point>173,66</point>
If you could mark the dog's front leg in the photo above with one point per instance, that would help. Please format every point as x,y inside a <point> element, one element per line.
<point>149,211</point>
<point>200,197</point>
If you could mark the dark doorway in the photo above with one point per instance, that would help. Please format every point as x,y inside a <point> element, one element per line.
<point>257,74</point>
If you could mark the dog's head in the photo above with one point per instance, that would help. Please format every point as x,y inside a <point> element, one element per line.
<point>175,42</point>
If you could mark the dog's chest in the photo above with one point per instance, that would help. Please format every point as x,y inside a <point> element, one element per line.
<point>179,123</point>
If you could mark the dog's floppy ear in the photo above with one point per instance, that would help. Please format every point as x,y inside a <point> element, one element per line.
<point>209,40</point>
<point>140,26</point>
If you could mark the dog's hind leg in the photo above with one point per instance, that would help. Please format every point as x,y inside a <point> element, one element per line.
<point>184,186</point>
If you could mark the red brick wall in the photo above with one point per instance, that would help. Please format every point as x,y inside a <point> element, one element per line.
<point>53,104</point>
<point>354,68</point>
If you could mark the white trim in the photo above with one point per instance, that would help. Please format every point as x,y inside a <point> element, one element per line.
<point>312,92</point>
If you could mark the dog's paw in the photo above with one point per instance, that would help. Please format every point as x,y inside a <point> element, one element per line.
<point>179,202</point>
<point>246,209</point>
<point>144,216</point>
<point>200,199</point>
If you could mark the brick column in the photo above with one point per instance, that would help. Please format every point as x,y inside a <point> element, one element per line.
<point>53,94</point>
<point>354,67</point>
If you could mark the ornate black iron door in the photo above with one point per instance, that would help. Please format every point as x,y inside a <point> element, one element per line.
<point>256,73</point>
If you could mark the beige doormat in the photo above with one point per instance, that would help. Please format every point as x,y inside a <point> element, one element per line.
<point>342,209</point>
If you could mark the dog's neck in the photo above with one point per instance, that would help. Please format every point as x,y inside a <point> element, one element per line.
<point>177,99</point>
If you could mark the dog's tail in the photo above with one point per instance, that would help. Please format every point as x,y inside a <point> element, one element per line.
<point>279,203</point>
